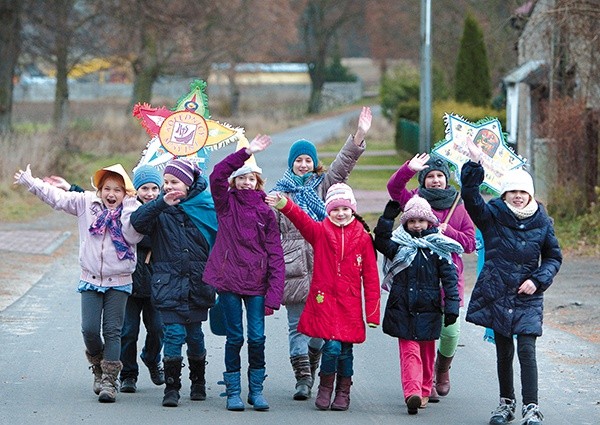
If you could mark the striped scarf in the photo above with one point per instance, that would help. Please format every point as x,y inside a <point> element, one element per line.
<point>111,220</point>
<point>304,192</point>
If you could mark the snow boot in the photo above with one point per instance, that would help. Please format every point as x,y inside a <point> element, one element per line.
<point>341,400</point>
<point>96,370</point>
<point>255,385</point>
<point>323,400</point>
<point>197,371</point>
<point>110,377</point>
<point>301,366</point>
<point>172,380</point>
<point>442,374</point>
<point>233,388</point>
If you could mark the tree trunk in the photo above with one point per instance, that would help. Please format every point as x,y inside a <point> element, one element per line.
<point>146,68</point>
<point>10,44</point>
<point>592,138</point>
<point>234,90</point>
<point>317,78</point>
<point>60,117</point>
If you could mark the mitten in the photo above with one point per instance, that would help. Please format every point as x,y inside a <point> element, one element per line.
<point>450,319</point>
<point>392,210</point>
<point>269,311</point>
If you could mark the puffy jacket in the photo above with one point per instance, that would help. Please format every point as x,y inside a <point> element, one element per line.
<point>179,255</point>
<point>247,258</point>
<point>515,250</point>
<point>414,308</point>
<point>298,253</point>
<point>143,271</point>
<point>345,268</point>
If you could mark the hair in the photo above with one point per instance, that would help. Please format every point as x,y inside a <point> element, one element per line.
<point>319,169</point>
<point>362,221</point>
<point>260,182</point>
<point>105,177</point>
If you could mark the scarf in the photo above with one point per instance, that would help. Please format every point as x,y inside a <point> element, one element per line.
<point>525,212</point>
<point>111,220</point>
<point>201,210</point>
<point>304,192</point>
<point>439,199</point>
<point>437,243</point>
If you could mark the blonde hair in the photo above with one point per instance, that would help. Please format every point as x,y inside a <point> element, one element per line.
<point>260,183</point>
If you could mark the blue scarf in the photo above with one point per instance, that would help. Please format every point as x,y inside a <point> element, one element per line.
<point>304,192</point>
<point>111,220</point>
<point>201,210</point>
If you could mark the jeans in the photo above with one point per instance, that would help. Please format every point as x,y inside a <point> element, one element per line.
<point>337,357</point>
<point>255,319</point>
<point>299,342</point>
<point>177,334</point>
<point>129,336</point>
<point>505,352</point>
<point>104,311</point>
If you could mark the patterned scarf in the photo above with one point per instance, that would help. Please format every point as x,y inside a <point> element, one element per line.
<point>304,192</point>
<point>524,212</point>
<point>111,220</point>
<point>437,243</point>
<point>439,199</point>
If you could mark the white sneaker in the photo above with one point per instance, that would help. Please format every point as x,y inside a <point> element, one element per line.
<point>532,415</point>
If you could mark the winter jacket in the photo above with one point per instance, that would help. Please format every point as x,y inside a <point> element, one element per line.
<point>143,271</point>
<point>414,307</point>
<point>247,258</point>
<point>179,255</point>
<point>98,258</point>
<point>298,253</point>
<point>345,267</point>
<point>460,226</point>
<point>515,250</point>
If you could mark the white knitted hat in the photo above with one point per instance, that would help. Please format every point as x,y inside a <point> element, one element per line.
<point>517,179</point>
<point>247,168</point>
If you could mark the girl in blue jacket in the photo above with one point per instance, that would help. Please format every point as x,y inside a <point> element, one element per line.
<point>246,266</point>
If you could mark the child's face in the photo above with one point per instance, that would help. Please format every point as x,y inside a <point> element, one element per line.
<point>173,183</point>
<point>417,224</point>
<point>112,193</point>
<point>517,198</point>
<point>246,182</point>
<point>303,164</point>
<point>147,192</point>
<point>435,180</point>
<point>340,215</point>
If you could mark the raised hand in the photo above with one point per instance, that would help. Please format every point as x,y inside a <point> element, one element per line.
<point>174,197</point>
<point>58,181</point>
<point>259,143</point>
<point>20,173</point>
<point>276,200</point>
<point>475,151</point>
<point>364,124</point>
<point>418,162</point>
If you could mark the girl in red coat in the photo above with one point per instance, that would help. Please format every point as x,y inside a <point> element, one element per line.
<point>345,267</point>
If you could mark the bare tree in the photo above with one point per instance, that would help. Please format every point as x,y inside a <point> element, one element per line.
<point>10,44</point>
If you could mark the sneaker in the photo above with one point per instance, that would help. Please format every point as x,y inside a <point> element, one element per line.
<point>128,385</point>
<point>413,403</point>
<point>504,413</point>
<point>424,402</point>
<point>532,415</point>
<point>157,374</point>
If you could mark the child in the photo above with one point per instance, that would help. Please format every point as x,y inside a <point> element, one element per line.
<point>182,225</point>
<point>246,266</point>
<point>522,256</point>
<point>417,259</point>
<point>345,267</point>
<point>107,258</point>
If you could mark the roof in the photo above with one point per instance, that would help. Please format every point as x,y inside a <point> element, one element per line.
<point>264,67</point>
<point>530,72</point>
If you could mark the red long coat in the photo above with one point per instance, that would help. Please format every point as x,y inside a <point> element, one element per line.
<point>344,267</point>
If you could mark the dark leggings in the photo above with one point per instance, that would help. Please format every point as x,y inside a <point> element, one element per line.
<point>505,352</point>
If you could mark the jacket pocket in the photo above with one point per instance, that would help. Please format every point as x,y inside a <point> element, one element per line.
<point>164,291</point>
<point>295,263</point>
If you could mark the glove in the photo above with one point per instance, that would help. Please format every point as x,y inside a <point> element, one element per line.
<point>372,325</point>
<point>450,319</point>
<point>392,210</point>
<point>269,311</point>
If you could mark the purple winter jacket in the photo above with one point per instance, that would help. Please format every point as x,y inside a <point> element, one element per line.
<point>247,257</point>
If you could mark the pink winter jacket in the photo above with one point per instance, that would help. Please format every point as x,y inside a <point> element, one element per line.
<point>98,259</point>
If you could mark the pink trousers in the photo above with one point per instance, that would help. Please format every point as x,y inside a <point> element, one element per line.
<point>417,359</point>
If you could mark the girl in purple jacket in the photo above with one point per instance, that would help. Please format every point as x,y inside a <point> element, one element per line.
<point>246,266</point>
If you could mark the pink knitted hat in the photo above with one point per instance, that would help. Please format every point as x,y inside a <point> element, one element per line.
<point>418,207</point>
<point>340,195</point>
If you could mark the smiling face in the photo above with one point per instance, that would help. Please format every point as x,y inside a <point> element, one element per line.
<point>517,198</point>
<point>112,192</point>
<point>303,164</point>
<point>246,182</point>
<point>173,183</point>
<point>417,224</point>
<point>147,192</point>
<point>435,180</point>
<point>340,215</point>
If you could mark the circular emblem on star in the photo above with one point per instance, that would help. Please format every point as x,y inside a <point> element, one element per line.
<point>183,133</point>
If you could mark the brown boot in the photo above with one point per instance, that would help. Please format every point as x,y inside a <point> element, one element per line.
<point>314,358</point>
<point>323,400</point>
<point>110,374</point>
<point>342,393</point>
<point>434,397</point>
<point>96,370</point>
<point>442,374</point>
<point>301,367</point>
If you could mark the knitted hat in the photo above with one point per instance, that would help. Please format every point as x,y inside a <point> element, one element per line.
<point>302,147</point>
<point>146,174</point>
<point>435,164</point>
<point>184,170</point>
<point>116,169</point>
<point>418,207</point>
<point>340,195</point>
<point>517,179</point>
<point>247,168</point>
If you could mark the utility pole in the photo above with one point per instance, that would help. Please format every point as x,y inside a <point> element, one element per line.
<point>425,92</point>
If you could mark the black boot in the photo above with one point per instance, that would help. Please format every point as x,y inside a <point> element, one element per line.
<point>172,381</point>
<point>197,369</point>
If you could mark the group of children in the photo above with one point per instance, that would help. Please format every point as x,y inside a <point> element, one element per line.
<point>243,244</point>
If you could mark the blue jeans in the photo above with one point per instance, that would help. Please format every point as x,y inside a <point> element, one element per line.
<point>129,335</point>
<point>299,342</point>
<point>337,357</point>
<point>176,334</point>
<point>255,319</point>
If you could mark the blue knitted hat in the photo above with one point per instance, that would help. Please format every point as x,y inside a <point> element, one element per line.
<point>146,174</point>
<point>302,147</point>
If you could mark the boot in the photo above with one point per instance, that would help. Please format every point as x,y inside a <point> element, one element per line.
<point>301,366</point>
<point>233,388</point>
<point>342,393</point>
<point>197,370</point>
<point>172,380</point>
<point>96,370</point>
<point>255,385</point>
<point>434,397</point>
<point>110,376</point>
<point>323,399</point>
<point>442,374</point>
<point>314,358</point>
